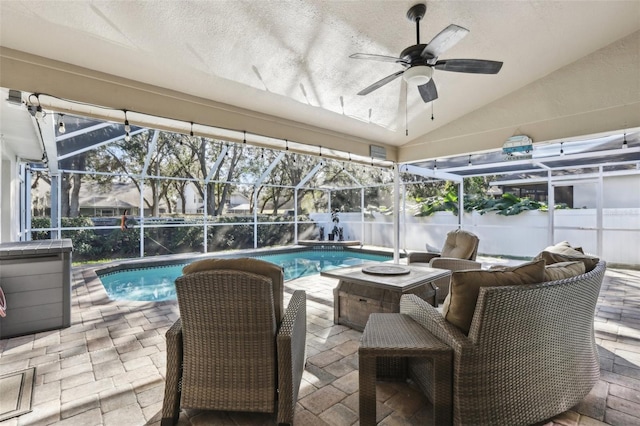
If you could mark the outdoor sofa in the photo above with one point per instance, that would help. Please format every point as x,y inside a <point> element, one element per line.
<point>525,350</point>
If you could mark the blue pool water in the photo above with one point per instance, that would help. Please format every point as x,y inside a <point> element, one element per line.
<point>157,283</point>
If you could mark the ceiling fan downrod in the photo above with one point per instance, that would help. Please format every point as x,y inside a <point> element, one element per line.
<point>415,14</point>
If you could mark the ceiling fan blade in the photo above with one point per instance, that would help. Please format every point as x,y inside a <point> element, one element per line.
<point>475,66</point>
<point>381,58</point>
<point>446,39</point>
<point>379,84</point>
<point>428,91</point>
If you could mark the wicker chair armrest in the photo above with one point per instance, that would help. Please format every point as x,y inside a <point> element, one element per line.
<point>453,264</point>
<point>291,348</point>
<point>421,257</point>
<point>175,332</point>
<point>171,403</point>
<point>433,321</point>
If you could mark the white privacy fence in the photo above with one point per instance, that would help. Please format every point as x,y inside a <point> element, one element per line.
<point>523,235</point>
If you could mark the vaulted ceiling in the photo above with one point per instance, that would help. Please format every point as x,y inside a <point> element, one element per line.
<point>282,68</point>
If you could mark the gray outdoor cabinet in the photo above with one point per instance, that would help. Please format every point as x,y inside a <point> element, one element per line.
<point>36,279</point>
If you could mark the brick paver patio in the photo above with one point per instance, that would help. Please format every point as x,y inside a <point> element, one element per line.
<point>108,367</point>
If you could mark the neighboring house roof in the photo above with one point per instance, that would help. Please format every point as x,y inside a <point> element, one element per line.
<point>115,195</point>
<point>237,198</point>
<point>240,208</point>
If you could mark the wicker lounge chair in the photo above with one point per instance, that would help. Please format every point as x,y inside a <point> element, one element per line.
<point>459,252</point>
<point>234,348</point>
<point>530,353</point>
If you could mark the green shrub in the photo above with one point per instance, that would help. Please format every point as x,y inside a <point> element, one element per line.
<point>430,205</point>
<point>105,243</point>
<point>507,205</point>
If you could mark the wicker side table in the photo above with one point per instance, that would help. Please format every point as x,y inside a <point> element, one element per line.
<point>397,335</point>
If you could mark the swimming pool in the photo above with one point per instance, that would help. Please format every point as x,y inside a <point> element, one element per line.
<point>157,283</point>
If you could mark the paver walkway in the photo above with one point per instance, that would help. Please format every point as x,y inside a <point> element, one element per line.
<point>108,367</point>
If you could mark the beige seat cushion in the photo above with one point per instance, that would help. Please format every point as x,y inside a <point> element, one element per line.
<point>460,244</point>
<point>563,252</point>
<point>460,304</point>
<point>562,270</point>
<point>247,264</point>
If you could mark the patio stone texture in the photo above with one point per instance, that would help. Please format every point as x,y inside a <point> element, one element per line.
<point>108,368</point>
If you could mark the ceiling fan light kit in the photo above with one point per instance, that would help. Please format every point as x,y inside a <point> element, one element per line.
<point>418,75</point>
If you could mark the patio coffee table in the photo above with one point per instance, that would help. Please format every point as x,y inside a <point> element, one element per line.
<point>359,293</point>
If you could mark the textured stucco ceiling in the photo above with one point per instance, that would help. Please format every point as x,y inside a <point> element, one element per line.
<point>289,59</point>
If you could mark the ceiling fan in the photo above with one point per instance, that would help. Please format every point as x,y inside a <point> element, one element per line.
<point>419,60</point>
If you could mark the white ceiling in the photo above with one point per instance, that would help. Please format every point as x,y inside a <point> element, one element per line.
<point>289,59</point>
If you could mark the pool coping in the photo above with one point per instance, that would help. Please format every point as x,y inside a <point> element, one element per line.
<point>173,259</point>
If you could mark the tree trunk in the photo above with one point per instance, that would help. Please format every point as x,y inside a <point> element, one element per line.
<point>225,187</point>
<point>74,204</point>
<point>64,195</point>
<point>276,201</point>
<point>76,183</point>
<point>183,200</point>
<point>168,201</point>
<point>155,191</point>
<point>211,200</point>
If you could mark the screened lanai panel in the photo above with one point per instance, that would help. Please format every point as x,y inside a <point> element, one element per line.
<point>276,234</point>
<point>347,200</point>
<point>117,156</point>
<point>624,155</point>
<point>178,156</point>
<point>277,168</point>
<point>240,163</point>
<point>274,201</point>
<point>574,171</point>
<point>225,198</point>
<point>100,196</point>
<point>313,201</point>
<point>166,237</point>
<point>230,233</point>
<point>620,167</point>
<point>82,133</point>
<point>495,169</point>
<point>279,174</point>
<point>40,196</point>
<point>331,176</point>
<point>492,162</point>
<point>299,167</point>
<point>523,175</point>
<point>462,167</point>
<point>378,198</point>
<point>595,145</point>
<point>341,176</point>
<point>576,153</point>
<point>308,230</point>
